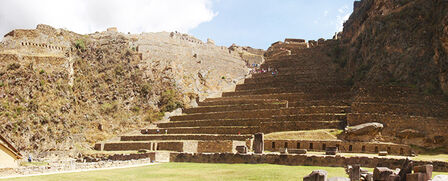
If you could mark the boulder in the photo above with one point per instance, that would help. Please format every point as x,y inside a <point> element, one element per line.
<point>363,132</point>
<point>382,173</point>
<point>316,175</point>
<point>410,133</point>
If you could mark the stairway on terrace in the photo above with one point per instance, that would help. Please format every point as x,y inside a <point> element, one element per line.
<point>304,93</point>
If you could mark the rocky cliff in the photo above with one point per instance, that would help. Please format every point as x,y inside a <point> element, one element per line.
<point>397,42</point>
<point>60,90</point>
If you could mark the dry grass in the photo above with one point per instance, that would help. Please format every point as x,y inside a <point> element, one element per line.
<point>322,134</point>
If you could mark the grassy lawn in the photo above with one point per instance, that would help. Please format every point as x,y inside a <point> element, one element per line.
<point>198,171</point>
<point>321,134</point>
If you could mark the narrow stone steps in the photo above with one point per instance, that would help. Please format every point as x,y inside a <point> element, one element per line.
<point>290,97</point>
<point>260,113</point>
<point>205,130</point>
<point>243,101</point>
<point>290,78</point>
<point>402,109</point>
<point>278,126</point>
<point>282,84</point>
<point>213,122</point>
<point>304,73</point>
<point>156,137</point>
<point>238,107</point>
<point>302,89</point>
<point>314,117</point>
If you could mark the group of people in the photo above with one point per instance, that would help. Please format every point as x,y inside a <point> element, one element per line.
<point>256,70</point>
<point>158,131</point>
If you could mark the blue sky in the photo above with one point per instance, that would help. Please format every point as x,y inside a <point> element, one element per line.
<point>256,23</point>
<point>259,23</point>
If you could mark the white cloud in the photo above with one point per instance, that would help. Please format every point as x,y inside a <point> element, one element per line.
<point>87,16</point>
<point>343,15</point>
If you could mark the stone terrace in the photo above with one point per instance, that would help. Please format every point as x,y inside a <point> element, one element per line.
<point>299,89</point>
<point>299,93</point>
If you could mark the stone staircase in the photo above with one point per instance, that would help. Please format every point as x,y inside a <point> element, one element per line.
<point>302,94</point>
<point>302,91</point>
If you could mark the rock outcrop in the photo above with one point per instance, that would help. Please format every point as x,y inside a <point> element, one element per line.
<point>397,42</point>
<point>363,132</point>
<point>60,90</point>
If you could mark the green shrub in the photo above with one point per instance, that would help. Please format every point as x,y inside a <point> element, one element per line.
<point>13,66</point>
<point>109,107</point>
<point>146,89</point>
<point>170,100</point>
<point>41,71</point>
<point>80,44</point>
<point>135,109</point>
<point>152,115</point>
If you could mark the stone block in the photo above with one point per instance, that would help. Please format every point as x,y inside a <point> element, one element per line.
<point>382,153</point>
<point>297,151</point>
<point>416,177</point>
<point>316,175</point>
<point>258,143</point>
<point>393,177</point>
<point>406,168</point>
<point>331,150</point>
<point>425,169</point>
<point>382,173</point>
<point>369,177</point>
<point>283,150</point>
<point>241,149</point>
<point>355,173</point>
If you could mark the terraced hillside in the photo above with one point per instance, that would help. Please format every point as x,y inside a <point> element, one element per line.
<point>301,89</point>
<point>301,92</point>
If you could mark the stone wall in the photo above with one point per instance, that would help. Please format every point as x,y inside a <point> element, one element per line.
<point>197,69</point>
<point>346,147</point>
<point>425,130</point>
<point>225,146</point>
<point>304,160</point>
<point>193,146</point>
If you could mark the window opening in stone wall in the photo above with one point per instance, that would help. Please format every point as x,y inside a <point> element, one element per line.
<point>286,144</point>
<point>298,145</point>
<point>273,144</point>
<point>363,148</point>
<point>311,146</point>
<point>324,146</point>
<point>350,148</point>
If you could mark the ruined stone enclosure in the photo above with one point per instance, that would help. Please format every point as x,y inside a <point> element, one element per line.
<point>299,88</point>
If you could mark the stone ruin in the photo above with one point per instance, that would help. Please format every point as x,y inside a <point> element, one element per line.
<point>356,173</point>
<point>298,89</point>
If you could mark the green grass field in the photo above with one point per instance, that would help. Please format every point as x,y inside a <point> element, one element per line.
<point>197,171</point>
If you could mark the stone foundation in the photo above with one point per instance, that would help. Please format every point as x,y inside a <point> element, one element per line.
<point>303,160</point>
<point>345,147</point>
